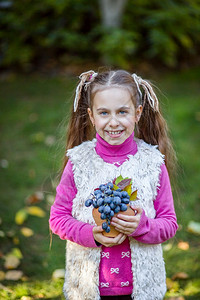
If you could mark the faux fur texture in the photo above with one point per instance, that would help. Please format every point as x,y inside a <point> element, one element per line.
<point>82,264</point>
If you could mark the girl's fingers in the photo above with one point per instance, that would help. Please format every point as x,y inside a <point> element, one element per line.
<point>118,223</point>
<point>107,241</point>
<point>97,229</point>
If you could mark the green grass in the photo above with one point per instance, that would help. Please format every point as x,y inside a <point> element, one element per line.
<point>32,112</point>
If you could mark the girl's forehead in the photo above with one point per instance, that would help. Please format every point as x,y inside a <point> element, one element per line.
<point>112,92</point>
<point>112,97</point>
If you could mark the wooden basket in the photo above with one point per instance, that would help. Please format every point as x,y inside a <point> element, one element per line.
<point>113,232</point>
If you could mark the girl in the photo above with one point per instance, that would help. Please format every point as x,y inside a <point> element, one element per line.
<point>130,265</point>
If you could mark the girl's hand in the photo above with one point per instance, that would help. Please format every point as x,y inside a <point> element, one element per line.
<point>127,224</point>
<point>107,241</point>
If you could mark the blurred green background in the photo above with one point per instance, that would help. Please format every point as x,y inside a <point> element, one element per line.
<point>44,46</point>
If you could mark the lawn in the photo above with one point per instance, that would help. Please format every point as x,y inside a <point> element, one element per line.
<point>33,117</point>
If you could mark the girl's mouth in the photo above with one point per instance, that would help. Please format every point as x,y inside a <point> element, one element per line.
<point>115,134</point>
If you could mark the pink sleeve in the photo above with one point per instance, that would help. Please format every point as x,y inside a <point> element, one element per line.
<point>164,226</point>
<point>61,221</point>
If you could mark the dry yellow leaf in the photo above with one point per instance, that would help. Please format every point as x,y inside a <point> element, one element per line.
<point>2,275</point>
<point>21,216</point>
<point>128,189</point>
<point>133,196</point>
<point>59,273</point>
<point>14,275</point>
<point>35,211</point>
<point>11,262</point>
<point>183,246</point>
<point>115,187</point>
<point>27,232</point>
<point>180,275</point>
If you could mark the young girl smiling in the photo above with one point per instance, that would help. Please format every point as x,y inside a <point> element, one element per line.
<point>130,265</point>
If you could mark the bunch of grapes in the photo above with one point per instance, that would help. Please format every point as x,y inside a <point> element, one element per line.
<point>108,201</point>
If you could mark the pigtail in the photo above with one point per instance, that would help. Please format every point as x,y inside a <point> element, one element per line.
<point>152,127</point>
<point>79,126</point>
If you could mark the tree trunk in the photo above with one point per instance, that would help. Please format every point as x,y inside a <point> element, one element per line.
<point>112,11</point>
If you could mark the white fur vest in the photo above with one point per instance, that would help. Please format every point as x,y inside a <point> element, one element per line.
<point>82,263</point>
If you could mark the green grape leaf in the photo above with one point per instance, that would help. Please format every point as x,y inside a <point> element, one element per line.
<point>118,179</point>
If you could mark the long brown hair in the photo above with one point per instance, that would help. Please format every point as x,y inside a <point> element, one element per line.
<point>152,127</point>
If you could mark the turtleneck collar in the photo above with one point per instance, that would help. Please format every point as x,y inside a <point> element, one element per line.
<point>115,153</point>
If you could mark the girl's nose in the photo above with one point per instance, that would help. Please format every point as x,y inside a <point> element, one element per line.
<point>114,122</point>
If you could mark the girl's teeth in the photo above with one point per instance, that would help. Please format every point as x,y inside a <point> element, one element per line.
<point>114,132</point>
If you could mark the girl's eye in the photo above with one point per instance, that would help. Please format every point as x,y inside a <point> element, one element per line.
<point>103,113</point>
<point>122,112</point>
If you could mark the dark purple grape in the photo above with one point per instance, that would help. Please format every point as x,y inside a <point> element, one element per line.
<point>107,200</point>
<point>123,207</point>
<point>88,202</point>
<point>117,200</point>
<point>102,187</point>
<point>95,204</point>
<point>104,225</point>
<point>101,209</point>
<point>107,209</point>
<point>109,222</point>
<point>112,205</point>
<point>103,216</point>
<point>112,213</point>
<point>100,201</point>
<point>108,192</point>
<point>117,193</point>
<point>96,192</point>
<point>99,195</point>
<point>124,194</point>
<point>107,229</point>
<point>125,200</point>
<point>117,209</point>
<point>110,185</point>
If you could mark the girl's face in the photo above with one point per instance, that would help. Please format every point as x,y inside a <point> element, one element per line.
<point>114,115</point>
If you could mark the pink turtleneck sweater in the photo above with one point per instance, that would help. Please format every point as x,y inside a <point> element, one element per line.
<point>115,275</point>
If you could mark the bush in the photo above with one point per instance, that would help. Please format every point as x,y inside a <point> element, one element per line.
<point>32,32</point>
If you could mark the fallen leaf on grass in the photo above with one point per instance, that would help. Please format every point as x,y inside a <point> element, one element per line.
<point>16,241</point>
<point>35,198</point>
<point>180,275</point>
<point>4,163</point>
<point>14,275</point>
<point>16,252</point>
<point>11,262</point>
<point>35,211</point>
<point>26,298</point>
<point>2,275</point>
<point>167,247</point>
<point>194,227</point>
<point>172,285</point>
<point>183,246</point>
<point>59,273</point>
<point>21,216</point>
<point>27,232</point>
<point>2,233</point>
